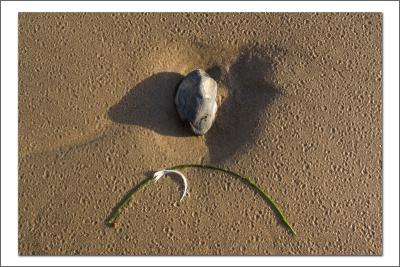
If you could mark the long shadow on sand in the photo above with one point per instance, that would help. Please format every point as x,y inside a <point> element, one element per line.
<point>150,104</point>
<point>250,91</point>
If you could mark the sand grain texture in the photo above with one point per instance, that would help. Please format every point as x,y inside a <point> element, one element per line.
<point>300,105</point>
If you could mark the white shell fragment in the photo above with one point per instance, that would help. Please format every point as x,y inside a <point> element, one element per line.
<point>195,101</point>
<point>159,174</point>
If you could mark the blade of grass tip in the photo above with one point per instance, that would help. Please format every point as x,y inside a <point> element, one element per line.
<point>249,182</point>
<point>124,201</point>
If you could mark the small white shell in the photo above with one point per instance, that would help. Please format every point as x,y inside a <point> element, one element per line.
<point>159,174</point>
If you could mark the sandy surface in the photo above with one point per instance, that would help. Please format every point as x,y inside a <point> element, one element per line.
<point>300,112</point>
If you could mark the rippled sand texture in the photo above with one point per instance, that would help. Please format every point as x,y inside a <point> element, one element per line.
<point>300,99</point>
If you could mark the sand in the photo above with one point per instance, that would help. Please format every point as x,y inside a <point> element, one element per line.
<point>300,112</point>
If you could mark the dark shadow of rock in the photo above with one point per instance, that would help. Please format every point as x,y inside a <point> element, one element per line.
<point>250,91</point>
<point>215,72</point>
<point>150,104</point>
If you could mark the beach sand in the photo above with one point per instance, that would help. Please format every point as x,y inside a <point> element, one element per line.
<point>300,112</point>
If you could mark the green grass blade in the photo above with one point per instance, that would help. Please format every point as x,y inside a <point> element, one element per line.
<point>250,183</point>
<point>128,196</point>
<point>124,201</point>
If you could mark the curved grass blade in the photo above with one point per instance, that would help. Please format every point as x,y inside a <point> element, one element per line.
<point>117,210</point>
<point>250,183</point>
<point>124,201</point>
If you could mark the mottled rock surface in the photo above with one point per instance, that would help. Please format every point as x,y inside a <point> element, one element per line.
<point>195,101</point>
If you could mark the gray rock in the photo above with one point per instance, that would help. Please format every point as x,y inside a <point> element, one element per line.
<point>195,101</point>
